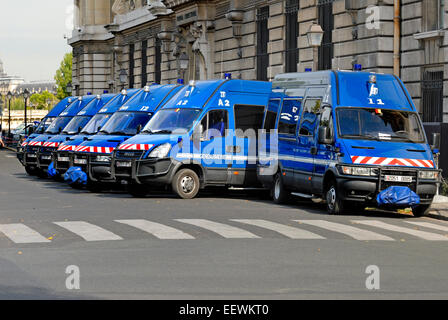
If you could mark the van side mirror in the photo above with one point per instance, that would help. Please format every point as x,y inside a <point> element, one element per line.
<point>60,129</point>
<point>139,128</point>
<point>435,141</point>
<point>325,136</point>
<point>79,129</point>
<point>99,128</point>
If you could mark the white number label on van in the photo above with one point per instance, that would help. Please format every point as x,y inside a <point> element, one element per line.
<point>378,101</point>
<point>223,103</point>
<point>124,108</point>
<point>182,103</point>
<point>144,109</point>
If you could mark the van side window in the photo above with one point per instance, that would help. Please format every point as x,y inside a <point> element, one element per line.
<point>289,117</point>
<point>271,115</point>
<point>249,117</point>
<point>215,123</point>
<point>311,109</point>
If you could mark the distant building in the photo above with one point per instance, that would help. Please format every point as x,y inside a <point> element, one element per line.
<point>38,86</point>
<point>8,83</point>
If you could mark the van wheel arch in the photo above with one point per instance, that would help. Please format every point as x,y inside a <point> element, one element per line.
<point>195,167</point>
<point>329,177</point>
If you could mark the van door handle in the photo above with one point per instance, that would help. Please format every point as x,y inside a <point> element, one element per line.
<point>233,149</point>
<point>313,150</point>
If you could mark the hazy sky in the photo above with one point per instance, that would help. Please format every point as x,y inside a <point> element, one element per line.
<point>32,42</point>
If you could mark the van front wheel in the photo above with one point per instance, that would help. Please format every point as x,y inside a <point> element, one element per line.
<point>335,205</point>
<point>186,184</point>
<point>279,194</point>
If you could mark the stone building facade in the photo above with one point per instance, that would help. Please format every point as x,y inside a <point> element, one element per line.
<point>145,41</point>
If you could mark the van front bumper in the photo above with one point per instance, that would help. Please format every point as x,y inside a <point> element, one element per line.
<point>45,156</point>
<point>366,189</point>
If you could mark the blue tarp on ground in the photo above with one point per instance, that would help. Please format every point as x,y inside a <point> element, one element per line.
<point>398,196</point>
<point>52,172</point>
<point>75,175</point>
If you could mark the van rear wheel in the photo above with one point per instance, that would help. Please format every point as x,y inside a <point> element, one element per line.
<point>279,193</point>
<point>138,190</point>
<point>335,205</point>
<point>421,210</point>
<point>186,184</point>
<point>31,171</point>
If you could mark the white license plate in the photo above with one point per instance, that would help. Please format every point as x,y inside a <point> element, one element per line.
<point>64,159</point>
<point>124,164</point>
<point>398,179</point>
<point>32,156</point>
<point>46,157</point>
<point>80,161</point>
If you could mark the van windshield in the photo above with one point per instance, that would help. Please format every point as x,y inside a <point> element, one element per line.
<point>379,124</point>
<point>76,123</point>
<point>44,124</point>
<point>168,120</point>
<point>98,121</point>
<point>126,123</point>
<point>58,125</point>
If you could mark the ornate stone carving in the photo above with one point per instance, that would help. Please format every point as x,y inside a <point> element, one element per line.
<point>123,6</point>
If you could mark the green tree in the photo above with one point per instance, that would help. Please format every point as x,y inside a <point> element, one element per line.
<point>43,100</point>
<point>64,76</point>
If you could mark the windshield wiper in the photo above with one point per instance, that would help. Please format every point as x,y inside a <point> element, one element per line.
<point>120,133</point>
<point>163,132</point>
<point>148,131</point>
<point>368,136</point>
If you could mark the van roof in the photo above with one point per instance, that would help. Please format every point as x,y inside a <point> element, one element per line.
<point>60,106</point>
<point>196,94</point>
<point>118,100</point>
<point>353,88</point>
<point>95,105</point>
<point>151,99</point>
<point>76,106</point>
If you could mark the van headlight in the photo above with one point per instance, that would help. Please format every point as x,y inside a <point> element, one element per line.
<point>358,171</point>
<point>160,151</point>
<point>428,175</point>
<point>103,159</point>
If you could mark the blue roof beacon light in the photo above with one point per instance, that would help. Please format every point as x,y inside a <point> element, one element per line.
<point>180,81</point>
<point>228,76</point>
<point>308,70</point>
<point>147,88</point>
<point>357,67</point>
<point>105,91</point>
<point>89,93</point>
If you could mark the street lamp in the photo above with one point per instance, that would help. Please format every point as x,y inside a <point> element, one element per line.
<point>123,78</point>
<point>26,95</point>
<point>315,35</point>
<point>183,63</point>
<point>9,96</point>
<point>69,88</point>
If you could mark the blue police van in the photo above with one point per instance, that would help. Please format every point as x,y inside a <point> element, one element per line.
<point>75,128</point>
<point>23,147</point>
<point>204,136</point>
<point>64,155</point>
<point>95,154</point>
<point>45,149</point>
<point>354,139</point>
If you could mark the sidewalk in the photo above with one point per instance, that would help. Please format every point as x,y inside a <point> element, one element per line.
<point>439,208</point>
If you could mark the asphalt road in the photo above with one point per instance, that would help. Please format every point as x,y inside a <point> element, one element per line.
<point>232,246</point>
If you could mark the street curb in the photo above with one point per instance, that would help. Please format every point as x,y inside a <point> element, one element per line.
<point>438,213</point>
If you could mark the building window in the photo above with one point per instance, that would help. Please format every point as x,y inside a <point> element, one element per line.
<point>432,102</point>
<point>131,65</point>
<point>158,62</point>
<point>262,43</point>
<point>144,63</point>
<point>292,32</point>
<point>432,15</point>
<point>326,21</point>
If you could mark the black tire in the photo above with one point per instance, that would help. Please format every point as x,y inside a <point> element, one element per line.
<point>279,193</point>
<point>41,173</point>
<point>186,184</point>
<point>421,210</point>
<point>138,190</point>
<point>335,205</point>
<point>77,186</point>
<point>31,171</point>
<point>94,187</point>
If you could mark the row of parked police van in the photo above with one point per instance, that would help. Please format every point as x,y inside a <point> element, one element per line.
<point>354,139</point>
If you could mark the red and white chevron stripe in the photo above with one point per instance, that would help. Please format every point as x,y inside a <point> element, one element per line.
<point>106,150</point>
<point>51,144</point>
<point>393,162</point>
<point>140,147</point>
<point>24,144</point>
<point>66,148</point>
<point>35,143</point>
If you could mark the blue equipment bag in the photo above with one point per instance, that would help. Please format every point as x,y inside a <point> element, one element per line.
<point>52,172</point>
<point>75,175</point>
<point>398,196</point>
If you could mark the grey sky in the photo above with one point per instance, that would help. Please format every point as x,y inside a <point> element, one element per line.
<point>32,42</point>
